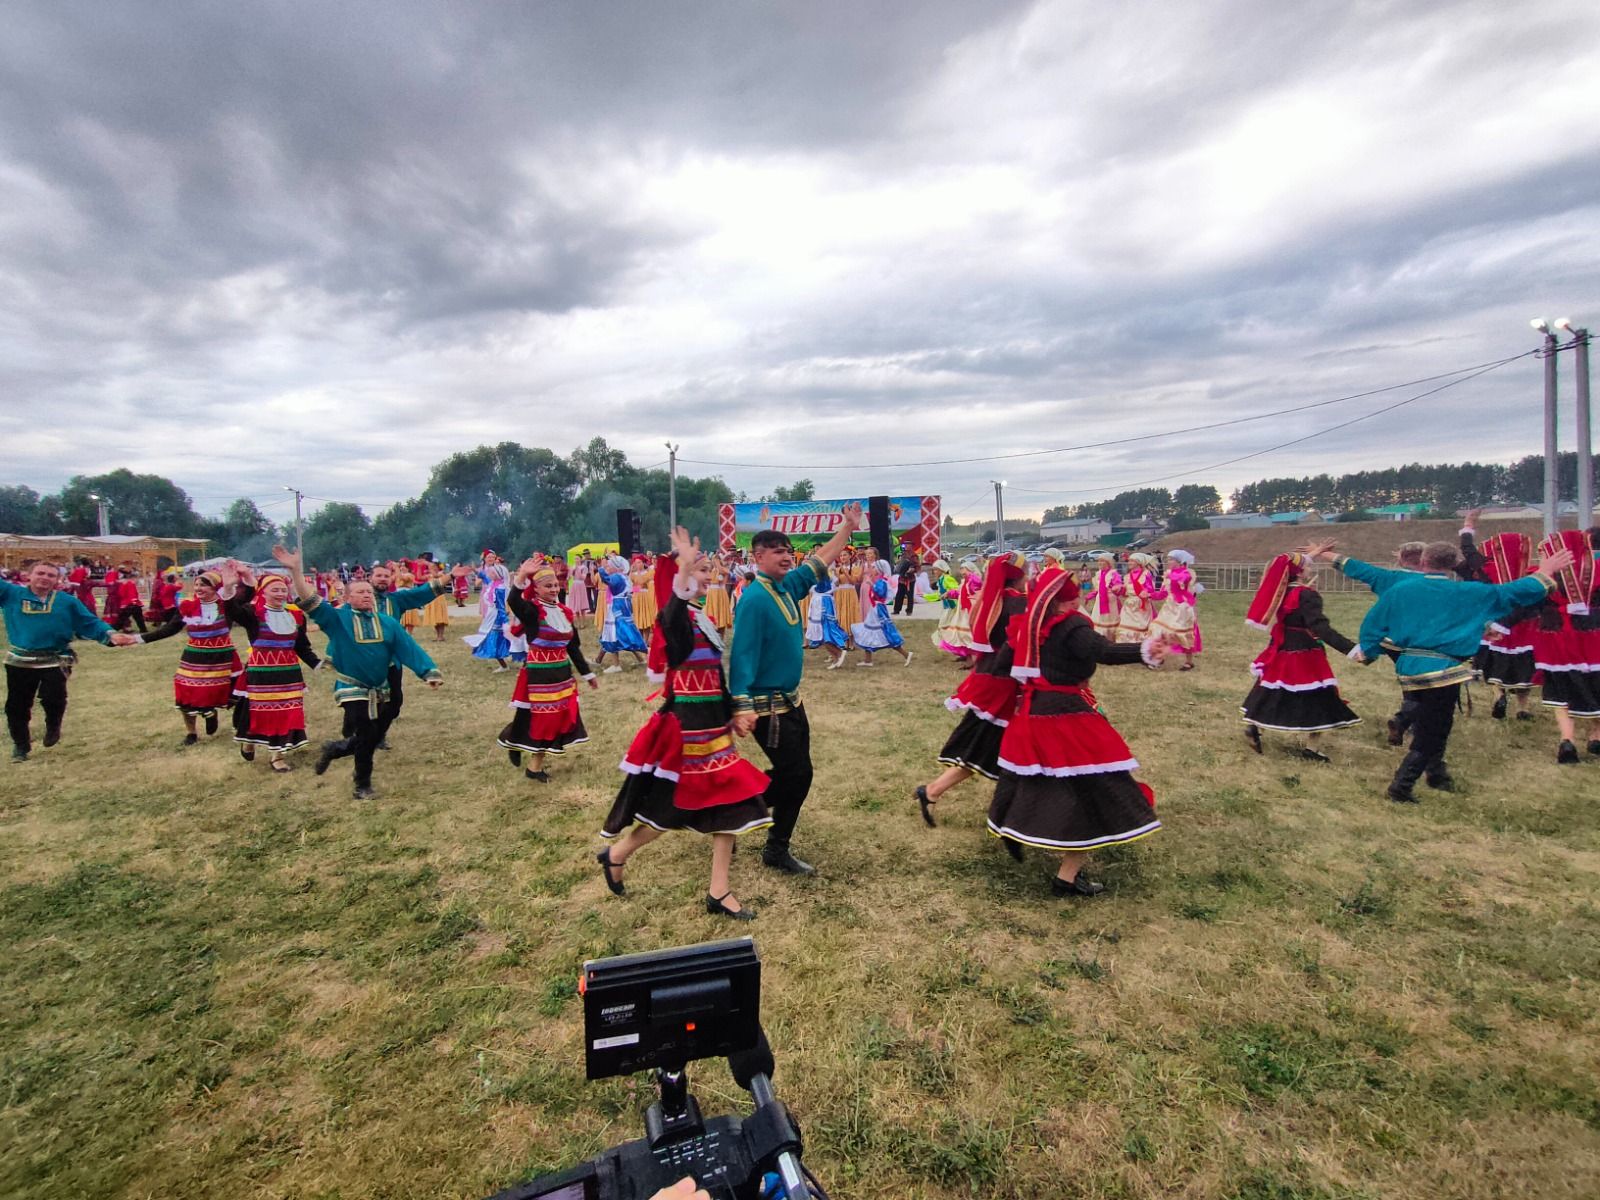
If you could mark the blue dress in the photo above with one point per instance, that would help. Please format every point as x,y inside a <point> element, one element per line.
<point>822,621</point>
<point>490,641</point>
<point>876,630</point>
<point>619,632</point>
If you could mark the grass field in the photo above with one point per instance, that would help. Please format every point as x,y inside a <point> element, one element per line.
<point>215,982</point>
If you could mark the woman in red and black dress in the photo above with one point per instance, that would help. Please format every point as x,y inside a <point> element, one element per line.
<point>1066,780</point>
<point>1505,659</point>
<point>683,768</point>
<point>545,697</point>
<point>209,665</point>
<point>987,696</point>
<point>1295,689</point>
<point>1567,644</point>
<point>270,704</point>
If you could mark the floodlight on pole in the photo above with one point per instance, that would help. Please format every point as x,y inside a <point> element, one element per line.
<point>999,516</point>
<point>1581,428</point>
<point>102,512</point>
<point>1551,485</point>
<point>299,525</point>
<point>672,487</point>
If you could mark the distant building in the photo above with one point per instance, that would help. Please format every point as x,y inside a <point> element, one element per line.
<point>1292,518</point>
<point>1238,520</point>
<point>1145,526</point>
<point>1400,512</point>
<point>1079,529</point>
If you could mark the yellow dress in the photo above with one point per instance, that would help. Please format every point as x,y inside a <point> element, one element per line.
<point>644,601</point>
<point>847,597</point>
<point>718,605</point>
<point>411,618</point>
<point>437,610</point>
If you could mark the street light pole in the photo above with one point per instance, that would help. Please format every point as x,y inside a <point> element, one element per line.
<point>102,511</point>
<point>999,516</point>
<point>1580,366</point>
<point>1551,476</point>
<point>672,487</point>
<point>299,525</point>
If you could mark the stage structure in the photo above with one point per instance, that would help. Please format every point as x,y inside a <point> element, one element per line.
<point>893,522</point>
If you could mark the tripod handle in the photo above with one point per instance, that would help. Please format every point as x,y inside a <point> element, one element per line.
<point>792,1179</point>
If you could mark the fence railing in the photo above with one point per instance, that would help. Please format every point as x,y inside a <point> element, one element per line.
<point>1246,577</point>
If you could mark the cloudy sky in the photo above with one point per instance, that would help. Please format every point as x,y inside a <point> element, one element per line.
<point>249,245</point>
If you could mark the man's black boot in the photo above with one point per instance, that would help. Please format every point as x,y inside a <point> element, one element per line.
<point>777,855</point>
<point>1438,776</point>
<point>1411,768</point>
<point>52,734</point>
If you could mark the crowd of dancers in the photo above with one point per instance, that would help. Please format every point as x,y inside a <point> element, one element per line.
<point>726,641</point>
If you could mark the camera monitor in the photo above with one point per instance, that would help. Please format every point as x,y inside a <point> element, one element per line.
<point>668,1008</point>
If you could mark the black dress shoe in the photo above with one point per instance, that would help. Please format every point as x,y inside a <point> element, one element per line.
<point>1402,795</point>
<point>52,735</point>
<point>1314,755</point>
<point>19,753</point>
<point>1253,735</point>
<point>329,752</point>
<point>607,866</point>
<point>1397,732</point>
<point>537,776</point>
<point>211,723</point>
<point>1567,753</point>
<point>363,791</point>
<point>383,745</point>
<point>926,805</point>
<point>515,756</point>
<point>1498,712</point>
<point>1594,747</point>
<point>715,906</point>
<point>1440,780</point>
<point>1012,848</point>
<point>248,753</point>
<point>1524,716</point>
<point>191,739</point>
<point>1078,886</point>
<point>781,859</point>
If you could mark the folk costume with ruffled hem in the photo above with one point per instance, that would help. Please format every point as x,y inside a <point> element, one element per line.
<point>822,622</point>
<point>617,630</point>
<point>270,699</point>
<point>1102,600</point>
<point>1506,656</point>
<point>1066,778</point>
<point>546,715</point>
<point>208,667</point>
<point>1295,689</point>
<point>684,769</point>
<point>1177,615</point>
<point>876,629</point>
<point>1567,642</point>
<point>1138,604</point>
<point>987,697</point>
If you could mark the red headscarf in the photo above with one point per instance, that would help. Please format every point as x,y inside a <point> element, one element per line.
<point>1029,631</point>
<point>1578,580</point>
<point>1003,571</point>
<point>655,663</point>
<point>1275,581</point>
<point>1509,556</point>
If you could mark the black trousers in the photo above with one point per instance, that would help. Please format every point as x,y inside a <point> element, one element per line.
<point>134,613</point>
<point>905,592</point>
<point>786,740</point>
<point>397,698</point>
<point>1435,717</point>
<point>23,684</point>
<point>366,732</point>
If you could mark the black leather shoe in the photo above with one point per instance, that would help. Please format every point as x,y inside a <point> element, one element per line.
<point>1524,716</point>
<point>52,735</point>
<point>926,805</point>
<point>616,885</point>
<point>248,753</point>
<point>1012,848</point>
<point>1498,712</point>
<point>384,745</point>
<point>191,739</point>
<point>1402,795</point>
<point>715,906</point>
<point>515,756</point>
<point>211,724</point>
<point>1253,735</point>
<point>1314,755</point>
<point>19,753</point>
<point>1075,887</point>
<point>1440,780</point>
<point>537,776</point>
<point>330,751</point>
<point>780,859</point>
<point>1567,753</point>
<point>1594,747</point>
<point>363,791</point>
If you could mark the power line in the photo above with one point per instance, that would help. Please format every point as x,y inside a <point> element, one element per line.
<point>1479,369</point>
<point>1484,370</point>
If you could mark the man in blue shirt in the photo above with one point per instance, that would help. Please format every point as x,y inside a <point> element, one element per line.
<point>41,623</point>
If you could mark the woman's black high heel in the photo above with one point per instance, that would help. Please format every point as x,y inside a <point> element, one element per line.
<point>925,803</point>
<point>1012,848</point>
<point>606,867</point>
<point>715,906</point>
<point>515,756</point>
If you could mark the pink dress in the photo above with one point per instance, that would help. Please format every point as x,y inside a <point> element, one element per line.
<point>1177,615</point>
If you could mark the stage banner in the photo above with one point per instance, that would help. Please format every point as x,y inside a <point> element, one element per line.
<point>810,523</point>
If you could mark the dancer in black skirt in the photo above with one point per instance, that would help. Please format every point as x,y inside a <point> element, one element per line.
<point>987,696</point>
<point>1568,643</point>
<point>1505,658</point>
<point>1066,780</point>
<point>1295,689</point>
<point>547,719</point>
<point>683,769</point>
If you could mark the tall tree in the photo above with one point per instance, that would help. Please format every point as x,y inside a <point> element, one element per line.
<point>597,460</point>
<point>149,504</point>
<point>510,498</point>
<point>1197,499</point>
<point>337,533</point>
<point>19,510</point>
<point>800,489</point>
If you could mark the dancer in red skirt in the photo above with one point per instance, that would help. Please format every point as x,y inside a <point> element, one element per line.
<point>1567,644</point>
<point>1295,689</point>
<point>545,698</point>
<point>270,705</point>
<point>987,696</point>
<point>1066,780</point>
<point>1505,657</point>
<point>683,769</point>
<point>209,665</point>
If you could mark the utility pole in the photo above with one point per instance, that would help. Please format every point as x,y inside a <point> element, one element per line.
<point>299,525</point>
<point>1551,476</point>
<point>1580,346</point>
<point>672,488</point>
<point>103,511</point>
<point>999,516</point>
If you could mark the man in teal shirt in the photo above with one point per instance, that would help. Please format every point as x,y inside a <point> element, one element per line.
<point>764,666</point>
<point>364,647</point>
<point>1433,623</point>
<point>41,623</point>
<point>393,604</point>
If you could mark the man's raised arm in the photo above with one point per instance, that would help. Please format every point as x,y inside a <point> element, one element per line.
<point>832,548</point>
